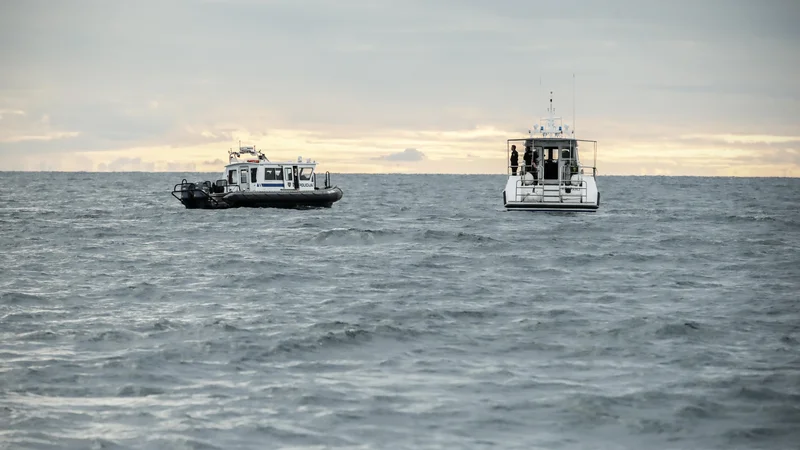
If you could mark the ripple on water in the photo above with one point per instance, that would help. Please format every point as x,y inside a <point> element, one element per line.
<point>415,313</point>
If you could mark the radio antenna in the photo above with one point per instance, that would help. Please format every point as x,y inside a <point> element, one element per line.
<point>573,103</point>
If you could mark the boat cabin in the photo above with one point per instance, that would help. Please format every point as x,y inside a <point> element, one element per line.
<point>256,173</point>
<point>259,176</point>
<point>552,158</point>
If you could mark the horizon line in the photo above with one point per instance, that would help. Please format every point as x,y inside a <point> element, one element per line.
<point>404,173</point>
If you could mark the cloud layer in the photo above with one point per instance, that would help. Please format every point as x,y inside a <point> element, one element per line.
<point>343,81</point>
<point>407,155</point>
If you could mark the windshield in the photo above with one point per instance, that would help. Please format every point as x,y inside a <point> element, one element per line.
<point>305,173</point>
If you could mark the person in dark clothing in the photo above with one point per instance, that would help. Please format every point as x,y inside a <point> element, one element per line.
<point>514,160</point>
<point>528,157</point>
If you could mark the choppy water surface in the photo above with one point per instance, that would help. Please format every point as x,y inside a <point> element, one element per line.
<point>415,313</point>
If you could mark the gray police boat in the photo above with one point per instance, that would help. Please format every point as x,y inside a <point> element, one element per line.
<point>251,180</point>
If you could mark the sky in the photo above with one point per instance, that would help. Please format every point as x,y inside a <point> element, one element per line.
<point>703,87</point>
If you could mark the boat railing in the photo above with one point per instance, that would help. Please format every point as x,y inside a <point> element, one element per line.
<point>327,181</point>
<point>557,190</point>
<point>582,170</point>
<point>588,146</point>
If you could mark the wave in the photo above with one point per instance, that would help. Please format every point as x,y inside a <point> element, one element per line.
<point>785,436</point>
<point>92,213</point>
<point>757,217</point>
<point>455,236</point>
<point>40,335</point>
<point>356,236</point>
<point>327,337</point>
<point>359,236</point>
<point>137,290</point>
<point>117,335</point>
<point>19,298</point>
<point>676,329</point>
<point>131,390</point>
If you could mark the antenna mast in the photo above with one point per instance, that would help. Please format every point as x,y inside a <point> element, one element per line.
<point>540,85</point>
<point>573,104</point>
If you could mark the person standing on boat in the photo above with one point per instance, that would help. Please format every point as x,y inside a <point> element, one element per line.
<point>528,157</point>
<point>514,160</point>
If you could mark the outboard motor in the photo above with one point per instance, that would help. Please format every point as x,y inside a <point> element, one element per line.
<point>186,191</point>
<point>219,186</point>
<point>193,195</point>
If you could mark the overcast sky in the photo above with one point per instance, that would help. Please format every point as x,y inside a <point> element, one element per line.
<point>679,87</point>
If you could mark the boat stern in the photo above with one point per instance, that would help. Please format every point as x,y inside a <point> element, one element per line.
<point>199,195</point>
<point>579,194</point>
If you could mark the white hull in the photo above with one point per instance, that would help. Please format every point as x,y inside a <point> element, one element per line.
<point>577,195</point>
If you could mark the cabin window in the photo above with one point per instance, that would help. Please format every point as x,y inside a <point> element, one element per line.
<point>305,173</point>
<point>278,174</point>
<point>289,175</point>
<point>231,174</point>
<point>269,174</point>
<point>253,172</point>
<point>243,176</point>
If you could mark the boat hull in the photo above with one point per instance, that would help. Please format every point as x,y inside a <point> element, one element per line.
<point>552,206</point>
<point>579,194</point>
<point>319,198</point>
<point>293,199</point>
<point>544,207</point>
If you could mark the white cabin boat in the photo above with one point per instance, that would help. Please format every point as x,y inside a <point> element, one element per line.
<point>252,180</point>
<point>550,175</point>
